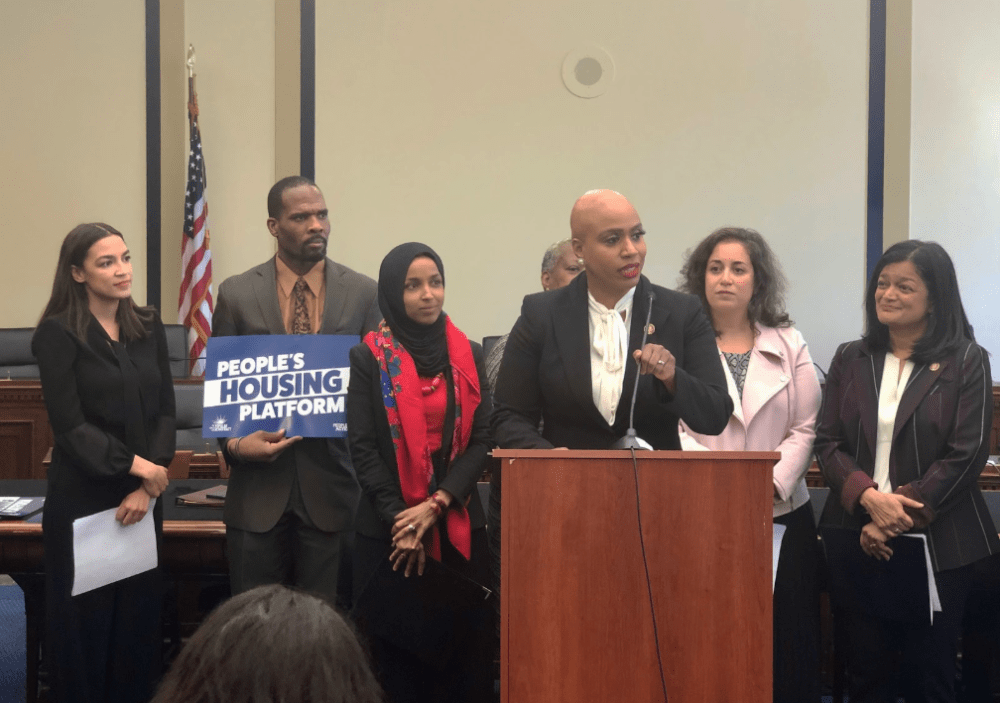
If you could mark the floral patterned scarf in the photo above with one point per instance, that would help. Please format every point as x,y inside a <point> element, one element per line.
<point>404,406</point>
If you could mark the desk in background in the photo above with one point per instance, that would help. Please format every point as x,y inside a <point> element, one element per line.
<point>193,552</point>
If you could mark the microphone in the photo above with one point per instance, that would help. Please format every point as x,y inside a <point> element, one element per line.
<point>631,440</point>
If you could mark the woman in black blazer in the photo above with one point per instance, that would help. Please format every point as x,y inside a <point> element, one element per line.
<point>418,425</point>
<point>903,436</point>
<point>561,368</point>
<point>110,399</point>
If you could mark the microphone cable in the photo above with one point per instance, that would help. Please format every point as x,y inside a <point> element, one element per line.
<point>649,583</point>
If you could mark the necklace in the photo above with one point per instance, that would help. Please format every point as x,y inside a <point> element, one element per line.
<point>435,382</point>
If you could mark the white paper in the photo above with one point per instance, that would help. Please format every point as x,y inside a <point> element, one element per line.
<point>779,534</point>
<point>105,551</point>
<point>934,598</point>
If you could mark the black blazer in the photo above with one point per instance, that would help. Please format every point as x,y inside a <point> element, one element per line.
<point>545,374</point>
<point>258,493</point>
<point>106,403</point>
<point>375,457</point>
<point>939,448</point>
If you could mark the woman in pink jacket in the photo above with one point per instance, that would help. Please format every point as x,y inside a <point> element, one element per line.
<point>776,397</point>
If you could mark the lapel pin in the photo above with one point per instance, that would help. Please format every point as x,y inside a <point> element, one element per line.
<point>935,366</point>
<point>651,328</point>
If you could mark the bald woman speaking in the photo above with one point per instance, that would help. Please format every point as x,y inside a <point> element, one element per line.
<point>573,354</point>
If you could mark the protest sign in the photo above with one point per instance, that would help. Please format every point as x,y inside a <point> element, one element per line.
<point>295,382</point>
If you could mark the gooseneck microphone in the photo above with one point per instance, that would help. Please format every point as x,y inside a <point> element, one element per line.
<point>631,440</point>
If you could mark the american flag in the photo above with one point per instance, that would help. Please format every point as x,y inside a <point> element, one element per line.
<point>195,305</point>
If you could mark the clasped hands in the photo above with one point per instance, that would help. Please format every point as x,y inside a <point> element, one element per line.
<point>658,361</point>
<point>136,504</point>
<point>889,519</point>
<point>408,534</point>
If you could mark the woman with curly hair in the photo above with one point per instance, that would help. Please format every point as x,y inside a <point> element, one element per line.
<point>776,397</point>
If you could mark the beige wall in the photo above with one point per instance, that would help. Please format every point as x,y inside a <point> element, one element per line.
<point>453,126</point>
<point>235,46</point>
<point>449,124</point>
<point>955,150</point>
<point>73,144</point>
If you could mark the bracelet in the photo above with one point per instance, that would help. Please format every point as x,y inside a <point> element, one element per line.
<point>439,502</point>
<point>434,505</point>
<point>235,451</point>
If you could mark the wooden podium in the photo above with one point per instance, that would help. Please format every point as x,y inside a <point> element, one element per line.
<point>577,619</point>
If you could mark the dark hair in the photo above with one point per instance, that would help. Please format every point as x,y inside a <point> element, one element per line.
<point>271,644</point>
<point>277,192</point>
<point>69,298</point>
<point>947,325</point>
<point>767,302</point>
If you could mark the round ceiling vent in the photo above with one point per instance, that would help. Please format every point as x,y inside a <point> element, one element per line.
<point>588,72</point>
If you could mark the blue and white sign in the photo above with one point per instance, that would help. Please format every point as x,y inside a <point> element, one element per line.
<point>295,382</point>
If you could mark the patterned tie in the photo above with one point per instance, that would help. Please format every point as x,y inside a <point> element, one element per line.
<point>301,324</point>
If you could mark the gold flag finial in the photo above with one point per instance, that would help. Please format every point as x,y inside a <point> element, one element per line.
<point>190,60</point>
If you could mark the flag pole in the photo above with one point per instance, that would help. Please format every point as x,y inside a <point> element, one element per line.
<point>195,306</point>
<point>192,92</point>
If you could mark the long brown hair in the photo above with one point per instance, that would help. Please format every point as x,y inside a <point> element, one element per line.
<point>69,298</point>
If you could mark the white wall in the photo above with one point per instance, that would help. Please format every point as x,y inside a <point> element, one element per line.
<point>73,143</point>
<point>955,149</point>
<point>448,123</point>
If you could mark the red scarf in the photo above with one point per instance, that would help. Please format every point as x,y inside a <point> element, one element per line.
<point>404,407</point>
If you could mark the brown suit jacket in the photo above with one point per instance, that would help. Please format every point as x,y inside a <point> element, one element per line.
<point>939,447</point>
<point>258,493</point>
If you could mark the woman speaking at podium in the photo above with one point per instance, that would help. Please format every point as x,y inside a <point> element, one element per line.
<point>774,388</point>
<point>903,436</point>
<point>110,398</point>
<point>418,425</point>
<point>572,357</point>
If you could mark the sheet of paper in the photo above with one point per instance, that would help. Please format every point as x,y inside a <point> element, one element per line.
<point>104,551</point>
<point>779,534</point>
<point>935,599</point>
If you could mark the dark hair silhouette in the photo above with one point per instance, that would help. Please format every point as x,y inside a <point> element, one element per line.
<point>271,644</point>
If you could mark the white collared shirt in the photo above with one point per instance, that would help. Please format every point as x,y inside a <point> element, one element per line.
<point>608,352</point>
<point>891,390</point>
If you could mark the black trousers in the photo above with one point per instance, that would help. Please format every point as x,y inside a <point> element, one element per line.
<point>886,658</point>
<point>102,645</point>
<point>796,611</point>
<point>468,676</point>
<point>294,552</point>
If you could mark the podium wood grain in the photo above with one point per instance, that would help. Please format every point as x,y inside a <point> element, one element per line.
<point>576,618</point>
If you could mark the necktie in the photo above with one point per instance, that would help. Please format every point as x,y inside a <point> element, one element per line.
<point>301,324</point>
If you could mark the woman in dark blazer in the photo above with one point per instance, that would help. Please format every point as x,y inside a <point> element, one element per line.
<point>418,425</point>
<point>903,436</point>
<point>563,369</point>
<point>110,399</point>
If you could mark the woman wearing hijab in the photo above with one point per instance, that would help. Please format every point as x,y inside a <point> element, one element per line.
<point>418,417</point>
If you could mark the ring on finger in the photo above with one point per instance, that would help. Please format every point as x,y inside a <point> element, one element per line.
<point>661,362</point>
